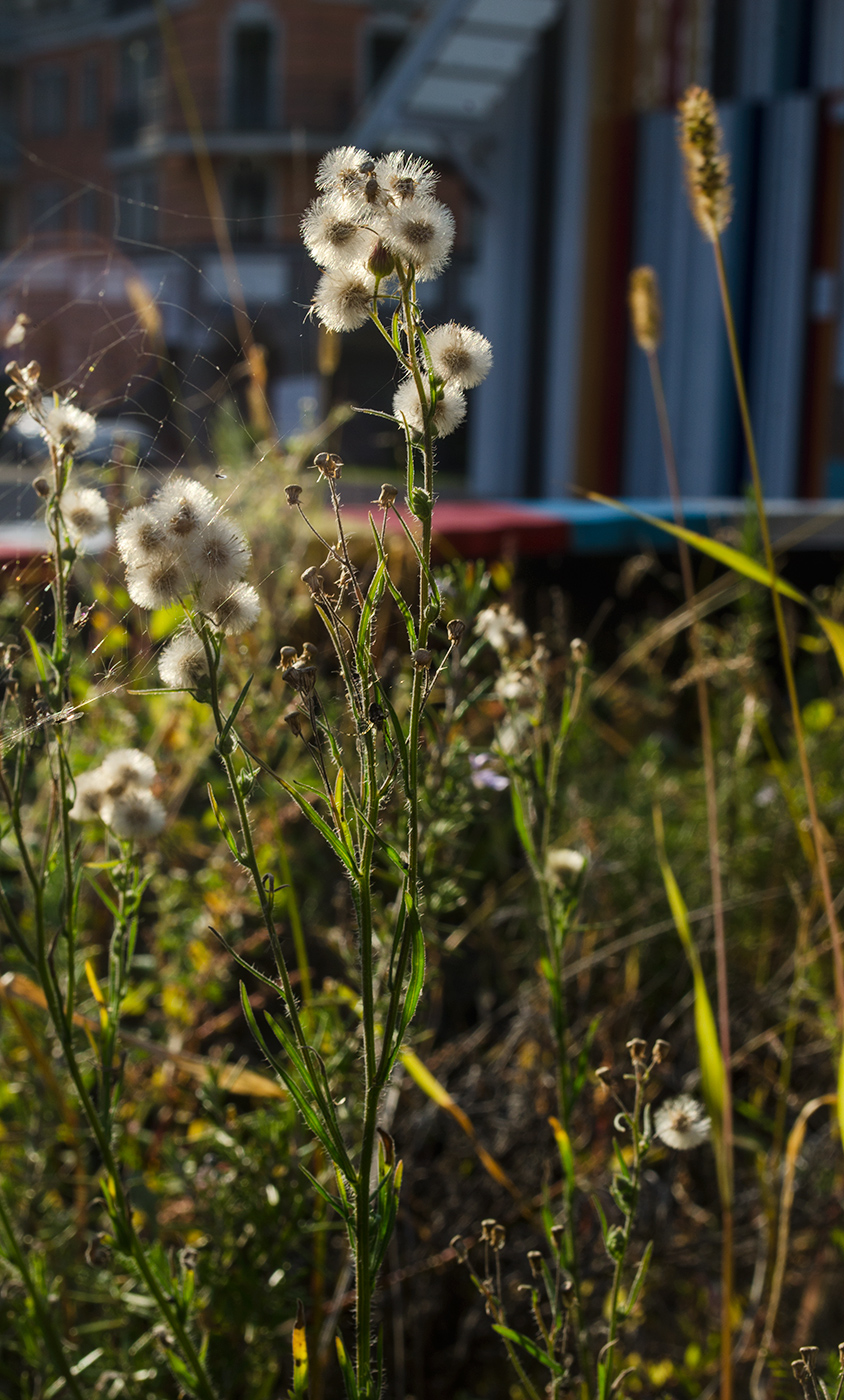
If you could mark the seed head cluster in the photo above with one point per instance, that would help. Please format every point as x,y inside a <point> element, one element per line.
<point>119,793</point>
<point>179,546</point>
<point>375,225</point>
<point>682,1123</point>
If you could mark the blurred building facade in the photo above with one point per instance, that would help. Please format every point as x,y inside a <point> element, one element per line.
<point>561,115</point>
<point>553,124</point>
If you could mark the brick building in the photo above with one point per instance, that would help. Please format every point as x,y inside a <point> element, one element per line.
<point>107,223</point>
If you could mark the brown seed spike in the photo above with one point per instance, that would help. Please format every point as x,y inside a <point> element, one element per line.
<point>645,308</point>
<point>707,166</point>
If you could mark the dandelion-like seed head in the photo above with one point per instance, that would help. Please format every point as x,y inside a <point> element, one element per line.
<point>645,308</point>
<point>85,513</point>
<point>334,235</point>
<point>134,815</point>
<point>401,178</point>
<point>501,628</point>
<point>125,768</point>
<point>184,507</point>
<point>343,299</point>
<point>682,1123</point>
<point>421,232</point>
<point>141,537</point>
<point>460,355</point>
<point>218,553</point>
<point>707,165</point>
<point>233,610</point>
<point>91,789</point>
<point>183,664</point>
<point>67,427</point>
<point>344,171</point>
<point>158,583</point>
<point>449,409</point>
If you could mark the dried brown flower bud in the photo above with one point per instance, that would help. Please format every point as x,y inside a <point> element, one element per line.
<point>293,720</point>
<point>458,1244</point>
<point>661,1051</point>
<point>41,487</point>
<point>328,464</point>
<point>286,658</point>
<point>421,659</point>
<point>321,460</point>
<point>31,373</point>
<point>455,630</point>
<point>637,1048</point>
<point>387,497</point>
<point>13,370</point>
<point>810,1356</point>
<point>499,1236</point>
<point>707,167</point>
<point>313,578</point>
<point>577,647</point>
<point>487,1227</point>
<point>645,308</point>
<point>15,395</point>
<point>309,651</point>
<point>557,1234</point>
<point>603,1072</point>
<point>534,1258</point>
<point>293,494</point>
<point>302,678</point>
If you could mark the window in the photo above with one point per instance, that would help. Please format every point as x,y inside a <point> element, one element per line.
<point>88,212</point>
<point>90,95</point>
<point>249,205</point>
<point>251,77</point>
<point>49,101</point>
<point>382,45</point>
<point>139,102</point>
<point>47,208</point>
<point>136,211</point>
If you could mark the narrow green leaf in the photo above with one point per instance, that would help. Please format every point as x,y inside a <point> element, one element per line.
<point>528,1345</point>
<point>223,825</point>
<point>349,1381</point>
<point>394,592</point>
<point>520,817</point>
<point>37,654</point>
<point>638,1280</point>
<point>227,727</point>
<point>373,598</point>
<point>322,827</point>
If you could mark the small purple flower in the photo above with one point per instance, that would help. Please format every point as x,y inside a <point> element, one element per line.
<point>484,776</point>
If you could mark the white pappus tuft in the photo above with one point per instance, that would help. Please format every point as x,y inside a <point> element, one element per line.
<point>682,1123</point>
<point>218,554</point>
<point>184,507</point>
<point>232,610</point>
<point>401,178</point>
<point>85,513</point>
<point>91,789</point>
<point>449,410</point>
<point>125,768</point>
<point>158,583</point>
<point>141,537</point>
<point>459,354</point>
<point>66,426</point>
<point>334,235</point>
<point>421,231</point>
<point>134,815</point>
<point>343,299</point>
<point>342,171</point>
<point>183,664</point>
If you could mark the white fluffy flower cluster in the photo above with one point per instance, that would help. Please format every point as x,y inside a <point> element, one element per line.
<point>119,794</point>
<point>371,217</point>
<point>369,213</point>
<point>84,512</point>
<point>682,1123</point>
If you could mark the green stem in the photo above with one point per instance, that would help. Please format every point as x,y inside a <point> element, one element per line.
<point>49,1331</point>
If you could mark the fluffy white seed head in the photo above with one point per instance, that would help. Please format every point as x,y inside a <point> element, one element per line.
<point>125,768</point>
<point>85,513</point>
<point>157,584</point>
<point>341,171</point>
<point>501,628</point>
<point>141,537</point>
<point>91,788</point>
<point>449,410</point>
<point>233,610</point>
<point>66,426</point>
<point>421,232</point>
<point>343,299</point>
<point>134,815</point>
<point>459,354</point>
<point>334,234</point>
<point>218,554</point>
<point>183,664</point>
<point>682,1123</point>
<point>402,178</point>
<point>184,507</point>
